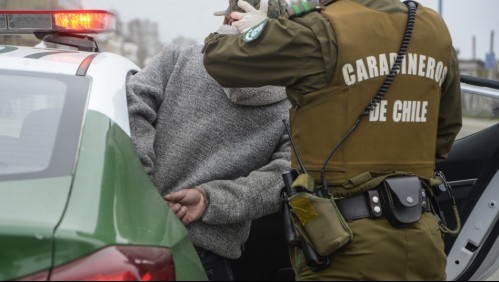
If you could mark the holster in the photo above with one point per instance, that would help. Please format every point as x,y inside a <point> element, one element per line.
<point>402,198</point>
<point>320,223</point>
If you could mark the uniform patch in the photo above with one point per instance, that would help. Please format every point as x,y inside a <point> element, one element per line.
<point>254,33</point>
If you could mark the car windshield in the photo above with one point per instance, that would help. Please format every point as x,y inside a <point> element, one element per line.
<point>32,130</point>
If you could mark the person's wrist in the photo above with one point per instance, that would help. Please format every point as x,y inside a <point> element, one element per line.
<point>204,195</point>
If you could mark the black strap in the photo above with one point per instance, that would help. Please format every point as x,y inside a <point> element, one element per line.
<point>370,205</point>
<point>382,91</point>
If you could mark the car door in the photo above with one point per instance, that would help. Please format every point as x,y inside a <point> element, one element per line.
<point>472,169</point>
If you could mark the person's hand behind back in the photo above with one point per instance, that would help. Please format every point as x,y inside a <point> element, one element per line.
<point>188,204</point>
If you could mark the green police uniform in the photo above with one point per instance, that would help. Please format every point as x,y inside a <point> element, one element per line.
<point>332,64</point>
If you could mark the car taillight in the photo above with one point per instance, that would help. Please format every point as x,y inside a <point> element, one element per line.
<point>119,263</point>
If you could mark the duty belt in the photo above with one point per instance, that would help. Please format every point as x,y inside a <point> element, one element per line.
<point>369,205</point>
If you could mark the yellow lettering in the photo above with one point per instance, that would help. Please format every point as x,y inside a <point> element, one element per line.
<point>413,65</point>
<point>430,70</point>
<point>418,111</point>
<point>361,71</point>
<point>372,65</point>
<point>397,108</point>
<point>379,112</point>
<point>422,65</point>
<point>406,111</point>
<point>404,65</point>
<point>424,111</point>
<point>410,111</point>
<point>348,74</point>
<point>413,111</point>
<point>383,65</point>
<point>438,72</point>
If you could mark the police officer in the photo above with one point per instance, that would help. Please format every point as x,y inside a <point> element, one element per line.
<point>333,59</point>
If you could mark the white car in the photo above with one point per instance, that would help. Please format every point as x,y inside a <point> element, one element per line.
<point>73,193</point>
<point>75,200</point>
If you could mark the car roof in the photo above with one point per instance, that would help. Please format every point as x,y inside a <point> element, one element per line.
<point>107,71</point>
<point>42,60</point>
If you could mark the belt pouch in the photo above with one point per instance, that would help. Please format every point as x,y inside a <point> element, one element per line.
<point>319,222</point>
<point>402,197</point>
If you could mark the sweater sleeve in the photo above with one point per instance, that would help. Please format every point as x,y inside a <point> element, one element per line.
<point>145,94</point>
<point>248,198</point>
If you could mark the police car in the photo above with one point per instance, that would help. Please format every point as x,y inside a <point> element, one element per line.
<point>75,201</point>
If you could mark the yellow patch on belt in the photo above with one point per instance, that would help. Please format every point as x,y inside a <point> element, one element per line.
<point>303,209</point>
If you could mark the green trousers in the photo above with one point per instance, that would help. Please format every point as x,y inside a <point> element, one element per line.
<point>379,251</point>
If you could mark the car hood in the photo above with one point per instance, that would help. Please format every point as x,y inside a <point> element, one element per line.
<point>29,212</point>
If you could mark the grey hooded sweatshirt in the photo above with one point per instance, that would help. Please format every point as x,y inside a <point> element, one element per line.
<point>189,131</point>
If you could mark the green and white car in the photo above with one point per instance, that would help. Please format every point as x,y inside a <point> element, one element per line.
<point>75,201</point>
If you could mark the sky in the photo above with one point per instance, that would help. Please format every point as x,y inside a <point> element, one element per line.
<point>194,19</point>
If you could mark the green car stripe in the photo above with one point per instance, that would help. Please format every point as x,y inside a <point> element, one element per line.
<point>29,212</point>
<point>44,54</point>
<point>7,49</point>
<point>113,202</point>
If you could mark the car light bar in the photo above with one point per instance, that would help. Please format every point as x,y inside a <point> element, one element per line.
<point>77,21</point>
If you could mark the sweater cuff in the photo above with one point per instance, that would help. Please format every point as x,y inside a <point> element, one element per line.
<point>204,195</point>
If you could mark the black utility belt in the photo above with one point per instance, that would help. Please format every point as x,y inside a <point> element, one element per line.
<point>401,199</point>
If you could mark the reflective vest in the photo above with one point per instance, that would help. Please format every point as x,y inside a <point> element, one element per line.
<point>400,134</point>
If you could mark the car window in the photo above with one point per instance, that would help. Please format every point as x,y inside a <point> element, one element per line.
<point>29,119</point>
<point>40,116</point>
<point>480,108</point>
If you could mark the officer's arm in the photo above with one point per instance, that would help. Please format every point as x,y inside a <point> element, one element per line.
<point>450,116</point>
<point>284,53</point>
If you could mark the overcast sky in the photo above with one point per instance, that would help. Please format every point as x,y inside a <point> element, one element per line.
<point>194,19</point>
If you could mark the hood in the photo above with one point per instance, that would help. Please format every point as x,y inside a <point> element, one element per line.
<point>256,96</point>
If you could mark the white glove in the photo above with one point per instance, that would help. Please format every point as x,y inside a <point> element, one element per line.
<point>252,17</point>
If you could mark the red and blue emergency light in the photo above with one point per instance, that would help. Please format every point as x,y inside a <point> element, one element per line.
<point>74,21</point>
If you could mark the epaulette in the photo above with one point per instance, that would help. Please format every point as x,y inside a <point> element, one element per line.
<point>303,8</point>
